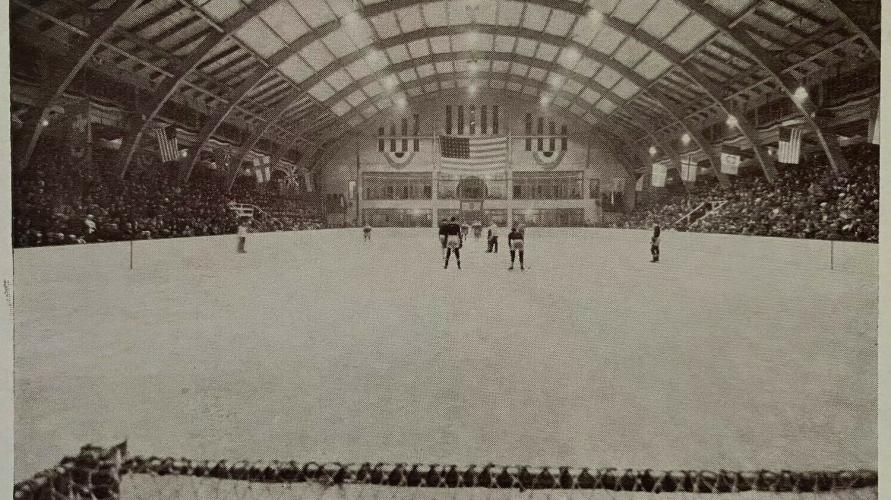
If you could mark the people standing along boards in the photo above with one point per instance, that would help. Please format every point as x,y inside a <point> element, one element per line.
<point>243,224</point>
<point>515,243</point>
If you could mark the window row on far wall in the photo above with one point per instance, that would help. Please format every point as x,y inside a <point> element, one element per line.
<point>526,186</point>
<point>545,217</point>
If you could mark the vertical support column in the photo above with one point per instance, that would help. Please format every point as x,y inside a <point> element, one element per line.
<point>434,183</point>
<point>358,219</point>
<point>590,205</point>
<point>509,199</point>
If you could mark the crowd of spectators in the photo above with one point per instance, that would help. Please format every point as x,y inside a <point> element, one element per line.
<point>58,201</point>
<point>806,201</point>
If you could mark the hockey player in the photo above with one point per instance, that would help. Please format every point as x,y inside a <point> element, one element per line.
<point>493,238</point>
<point>443,235</point>
<point>654,243</point>
<point>454,242</point>
<point>366,231</point>
<point>243,224</point>
<point>515,243</point>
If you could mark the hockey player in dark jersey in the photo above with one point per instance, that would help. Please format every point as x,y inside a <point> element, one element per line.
<point>515,243</point>
<point>454,241</point>
<point>654,243</point>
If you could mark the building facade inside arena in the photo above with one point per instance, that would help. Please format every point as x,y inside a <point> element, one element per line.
<point>546,167</point>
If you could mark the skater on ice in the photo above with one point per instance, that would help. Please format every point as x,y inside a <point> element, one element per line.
<point>454,242</point>
<point>515,243</point>
<point>654,243</point>
<point>243,224</point>
<point>366,231</point>
<point>492,238</point>
<point>443,234</point>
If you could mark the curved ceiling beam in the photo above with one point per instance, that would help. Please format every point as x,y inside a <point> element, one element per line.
<point>458,74</point>
<point>704,145</point>
<point>623,27</point>
<point>576,8</point>
<point>168,86</point>
<point>854,21</point>
<point>513,31</point>
<point>59,78</point>
<point>775,68</point>
<point>453,56</point>
<point>706,84</point>
<point>220,114</point>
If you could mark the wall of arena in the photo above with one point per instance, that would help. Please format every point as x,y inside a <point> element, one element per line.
<point>204,253</point>
<point>557,172</point>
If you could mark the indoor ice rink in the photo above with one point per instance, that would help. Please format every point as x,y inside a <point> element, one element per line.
<point>743,352</point>
<point>229,221</point>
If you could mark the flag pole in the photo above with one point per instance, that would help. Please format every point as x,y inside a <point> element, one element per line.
<point>130,216</point>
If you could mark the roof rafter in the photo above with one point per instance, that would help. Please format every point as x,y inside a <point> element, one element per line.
<point>219,115</point>
<point>776,69</point>
<point>61,77</point>
<point>138,124</point>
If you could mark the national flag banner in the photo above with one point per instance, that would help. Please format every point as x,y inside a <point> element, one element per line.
<point>689,169</point>
<point>222,156</point>
<point>258,170</point>
<point>80,132</point>
<point>730,156</point>
<point>790,145</point>
<point>660,171</point>
<point>639,185</point>
<point>472,153</point>
<point>167,143</point>
<point>874,133</point>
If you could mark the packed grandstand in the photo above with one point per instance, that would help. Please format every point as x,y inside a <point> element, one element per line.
<point>55,204</point>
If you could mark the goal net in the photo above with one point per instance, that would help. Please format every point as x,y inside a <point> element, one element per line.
<point>98,473</point>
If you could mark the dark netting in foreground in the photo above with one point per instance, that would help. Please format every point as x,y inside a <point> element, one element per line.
<point>98,473</point>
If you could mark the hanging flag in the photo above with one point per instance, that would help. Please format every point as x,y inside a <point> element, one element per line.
<point>874,130</point>
<point>689,169</point>
<point>262,169</point>
<point>639,185</point>
<point>267,168</point>
<point>473,153</point>
<point>167,143</point>
<point>222,157</point>
<point>790,145</point>
<point>730,159</point>
<point>660,171</point>
<point>80,133</point>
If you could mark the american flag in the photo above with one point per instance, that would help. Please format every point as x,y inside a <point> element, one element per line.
<point>790,145</point>
<point>167,143</point>
<point>473,153</point>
